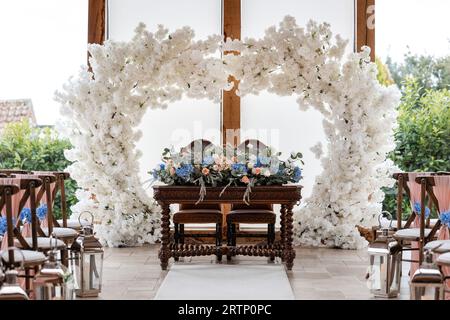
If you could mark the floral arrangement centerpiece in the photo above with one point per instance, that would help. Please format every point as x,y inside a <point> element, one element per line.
<point>217,167</point>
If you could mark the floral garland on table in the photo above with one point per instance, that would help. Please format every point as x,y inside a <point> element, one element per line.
<point>242,168</point>
<point>104,106</point>
<point>359,121</point>
<point>154,69</point>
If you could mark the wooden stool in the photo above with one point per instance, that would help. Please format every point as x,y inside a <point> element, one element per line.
<point>253,214</point>
<point>202,214</point>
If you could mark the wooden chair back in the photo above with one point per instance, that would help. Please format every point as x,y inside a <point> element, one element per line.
<point>60,178</point>
<point>259,147</point>
<point>44,192</point>
<point>403,188</point>
<point>28,184</point>
<point>197,150</point>
<point>7,190</point>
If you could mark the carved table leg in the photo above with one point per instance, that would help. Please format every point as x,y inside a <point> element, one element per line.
<point>282,223</point>
<point>289,252</point>
<point>282,227</point>
<point>164,252</point>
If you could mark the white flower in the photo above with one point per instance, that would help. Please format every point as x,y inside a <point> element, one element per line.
<point>102,111</point>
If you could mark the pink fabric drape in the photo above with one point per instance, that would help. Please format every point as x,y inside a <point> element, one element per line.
<point>442,192</point>
<point>414,189</point>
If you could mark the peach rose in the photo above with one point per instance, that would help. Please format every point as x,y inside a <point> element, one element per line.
<point>257,171</point>
<point>205,171</point>
<point>245,179</point>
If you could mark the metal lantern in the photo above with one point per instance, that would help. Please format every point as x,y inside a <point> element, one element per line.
<point>377,230</point>
<point>427,282</point>
<point>87,262</point>
<point>9,287</point>
<point>54,281</point>
<point>385,266</point>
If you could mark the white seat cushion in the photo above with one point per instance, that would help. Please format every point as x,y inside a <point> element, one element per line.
<point>444,259</point>
<point>438,246</point>
<point>62,232</point>
<point>74,224</point>
<point>410,234</point>
<point>31,257</point>
<point>43,243</point>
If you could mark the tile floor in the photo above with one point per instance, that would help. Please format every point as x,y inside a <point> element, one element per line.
<point>134,273</point>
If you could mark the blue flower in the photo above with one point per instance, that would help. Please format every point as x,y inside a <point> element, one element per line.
<point>184,171</point>
<point>25,215</point>
<point>417,210</point>
<point>3,226</point>
<point>239,167</point>
<point>445,218</point>
<point>162,166</point>
<point>297,174</point>
<point>41,211</point>
<point>207,161</point>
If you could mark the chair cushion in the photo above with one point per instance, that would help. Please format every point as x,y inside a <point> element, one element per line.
<point>197,216</point>
<point>31,257</point>
<point>410,234</point>
<point>427,276</point>
<point>438,246</point>
<point>62,232</point>
<point>444,259</point>
<point>43,243</point>
<point>73,223</point>
<point>251,216</point>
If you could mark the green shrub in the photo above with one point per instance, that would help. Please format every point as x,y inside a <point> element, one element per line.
<point>39,149</point>
<point>423,134</point>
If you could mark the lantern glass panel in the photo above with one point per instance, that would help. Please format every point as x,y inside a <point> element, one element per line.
<point>92,265</point>
<point>384,273</point>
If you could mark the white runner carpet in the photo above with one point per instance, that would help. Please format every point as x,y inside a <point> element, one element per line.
<point>227,282</point>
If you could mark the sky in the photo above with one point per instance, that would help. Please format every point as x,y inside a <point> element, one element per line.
<point>43,43</point>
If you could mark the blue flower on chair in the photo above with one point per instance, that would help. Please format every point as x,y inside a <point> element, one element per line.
<point>417,210</point>
<point>41,211</point>
<point>445,218</point>
<point>25,215</point>
<point>3,226</point>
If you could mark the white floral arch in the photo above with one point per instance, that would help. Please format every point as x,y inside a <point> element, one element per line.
<point>152,70</point>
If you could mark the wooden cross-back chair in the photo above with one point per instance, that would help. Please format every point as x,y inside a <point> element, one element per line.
<point>407,234</point>
<point>402,185</point>
<point>29,258</point>
<point>428,183</point>
<point>250,214</point>
<point>39,240</point>
<point>198,213</point>
<point>46,193</point>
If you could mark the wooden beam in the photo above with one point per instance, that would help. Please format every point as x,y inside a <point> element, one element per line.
<point>365,25</point>
<point>96,22</point>
<point>231,103</point>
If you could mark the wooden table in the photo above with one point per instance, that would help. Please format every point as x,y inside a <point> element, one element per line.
<point>287,196</point>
